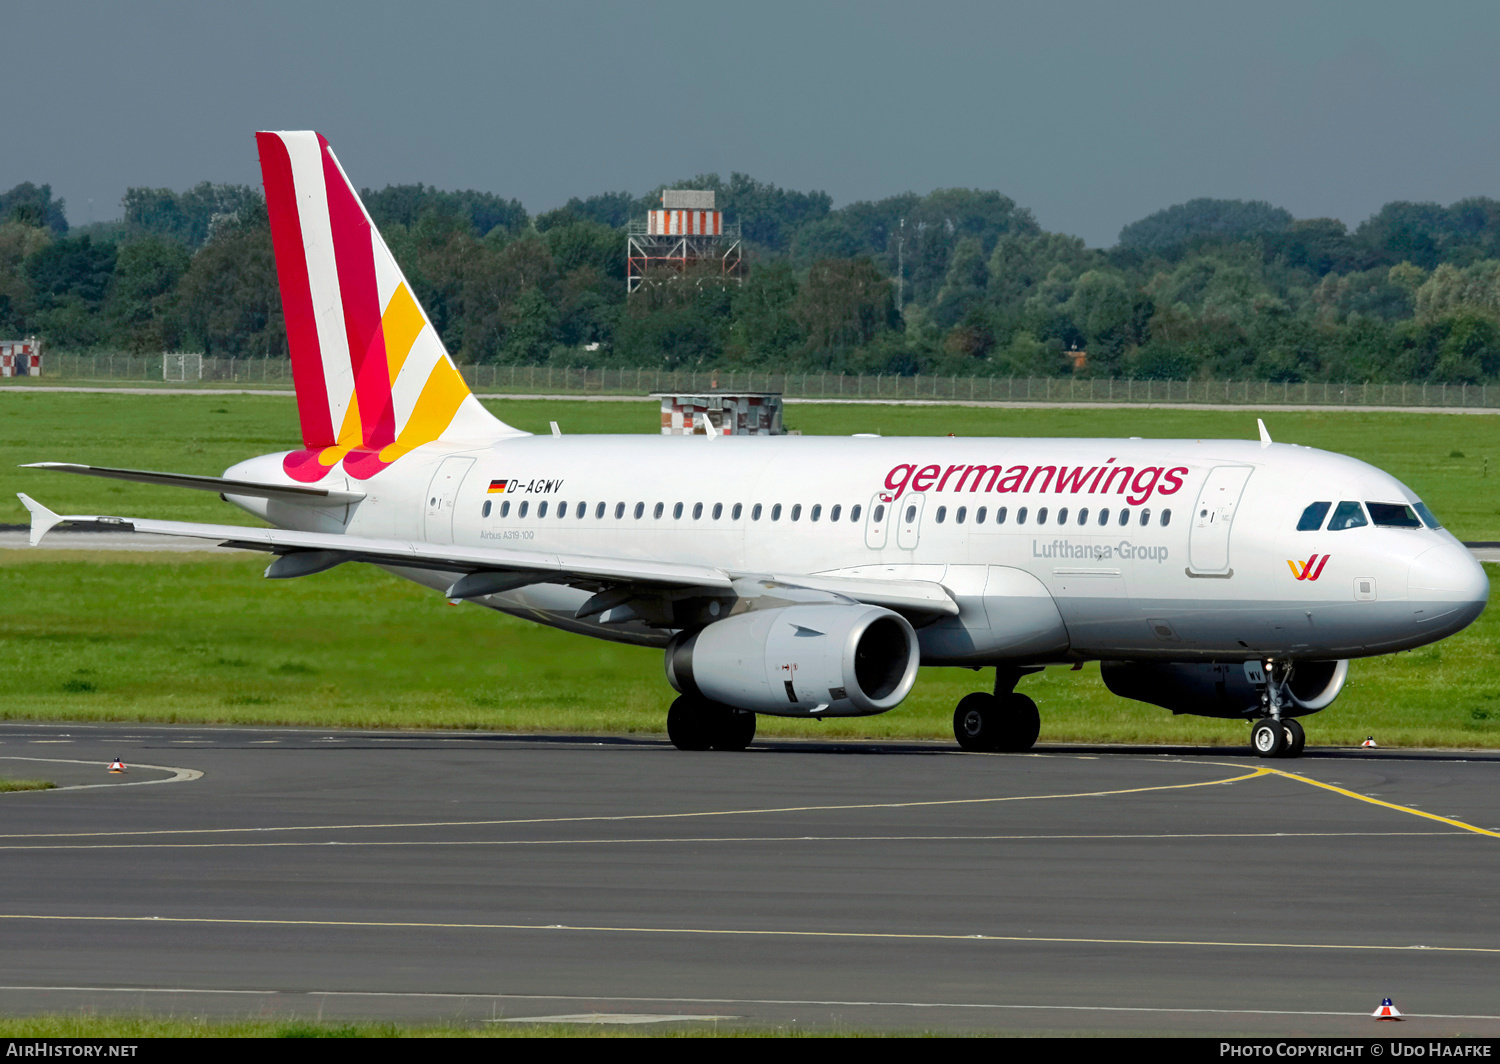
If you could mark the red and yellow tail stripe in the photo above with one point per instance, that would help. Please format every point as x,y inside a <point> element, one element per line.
<point>373,379</point>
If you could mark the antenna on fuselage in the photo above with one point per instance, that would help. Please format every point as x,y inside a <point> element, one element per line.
<point>1265,437</point>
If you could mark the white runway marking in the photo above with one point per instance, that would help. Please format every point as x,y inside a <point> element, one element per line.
<point>179,775</point>
<point>733,1002</point>
<point>740,840</point>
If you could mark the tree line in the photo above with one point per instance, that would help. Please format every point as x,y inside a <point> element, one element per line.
<point>956,282</point>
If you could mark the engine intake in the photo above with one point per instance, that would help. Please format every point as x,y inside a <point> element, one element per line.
<point>797,661</point>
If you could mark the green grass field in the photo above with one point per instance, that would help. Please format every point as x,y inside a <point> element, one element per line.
<point>202,638</point>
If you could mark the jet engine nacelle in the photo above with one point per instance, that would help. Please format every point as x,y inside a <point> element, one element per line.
<point>1222,690</point>
<point>798,661</point>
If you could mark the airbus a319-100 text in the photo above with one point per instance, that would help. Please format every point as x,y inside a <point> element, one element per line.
<point>809,577</point>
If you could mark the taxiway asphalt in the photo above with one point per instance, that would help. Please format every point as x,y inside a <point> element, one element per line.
<point>875,885</point>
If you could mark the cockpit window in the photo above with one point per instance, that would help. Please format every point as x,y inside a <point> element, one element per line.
<point>1312,517</point>
<point>1427,518</point>
<point>1347,514</point>
<point>1393,515</point>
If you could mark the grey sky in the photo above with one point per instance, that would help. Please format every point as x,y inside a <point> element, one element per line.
<point>1090,114</point>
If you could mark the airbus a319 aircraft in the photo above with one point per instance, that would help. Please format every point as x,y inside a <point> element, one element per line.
<point>809,577</point>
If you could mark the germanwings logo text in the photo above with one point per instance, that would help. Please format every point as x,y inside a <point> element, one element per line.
<point>1137,484</point>
<point>1310,569</point>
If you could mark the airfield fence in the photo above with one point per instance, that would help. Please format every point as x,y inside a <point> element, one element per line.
<point>559,380</point>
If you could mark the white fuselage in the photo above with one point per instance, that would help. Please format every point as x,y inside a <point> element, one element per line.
<point>1177,550</point>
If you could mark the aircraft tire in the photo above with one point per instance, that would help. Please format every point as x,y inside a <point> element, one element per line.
<point>1296,738</point>
<point>1268,738</point>
<point>1021,724</point>
<point>977,722</point>
<point>733,729</point>
<point>689,724</point>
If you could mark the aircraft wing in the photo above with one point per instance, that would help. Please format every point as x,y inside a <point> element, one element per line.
<point>493,569</point>
<point>282,493</point>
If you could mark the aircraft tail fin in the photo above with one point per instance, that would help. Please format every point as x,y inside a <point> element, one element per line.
<point>373,379</point>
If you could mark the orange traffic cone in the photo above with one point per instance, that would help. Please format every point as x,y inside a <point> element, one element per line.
<point>117,765</point>
<point>1387,1011</point>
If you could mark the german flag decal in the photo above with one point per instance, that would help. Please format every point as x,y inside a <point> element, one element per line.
<point>497,487</point>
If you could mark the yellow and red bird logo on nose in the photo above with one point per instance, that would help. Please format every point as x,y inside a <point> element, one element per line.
<point>1310,569</point>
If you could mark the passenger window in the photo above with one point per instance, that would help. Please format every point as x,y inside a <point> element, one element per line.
<point>776,512</point>
<point>1312,517</point>
<point>677,512</point>
<point>505,508</point>
<point>755,513</point>
<point>879,514</point>
<point>522,511</point>
<point>1020,516</point>
<point>599,512</point>
<point>1083,516</point>
<point>979,515</point>
<point>1062,516</point>
<point>486,511</point>
<point>1124,517</point>
<point>1000,515</point>
<point>562,509</point>
<point>1392,515</point>
<point>657,512</point>
<point>854,512</point>
<point>1041,516</point>
<point>942,513</point>
<point>833,515</point>
<point>1104,517</point>
<point>1145,517</point>
<point>963,512</point>
<point>738,509</point>
<point>1166,518</point>
<point>718,510</point>
<point>797,512</point>
<point>817,512</point>
<point>1347,514</point>
<point>541,510</point>
<point>640,510</point>
<point>697,510</point>
<point>911,514</point>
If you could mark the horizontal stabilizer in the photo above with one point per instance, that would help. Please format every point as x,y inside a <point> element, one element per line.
<point>307,496</point>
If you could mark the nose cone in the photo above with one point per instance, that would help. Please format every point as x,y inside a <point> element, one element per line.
<point>1447,587</point>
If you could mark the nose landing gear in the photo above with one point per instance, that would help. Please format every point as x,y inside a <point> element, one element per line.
<point>1273,735</point>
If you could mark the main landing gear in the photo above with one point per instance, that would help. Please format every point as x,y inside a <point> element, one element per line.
<point>1004,721</point>
<point>698,724</point>
<point>1273,735</point>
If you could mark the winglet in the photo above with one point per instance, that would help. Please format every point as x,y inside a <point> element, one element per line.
<point>43,520</point>
<point>1265,437</point>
